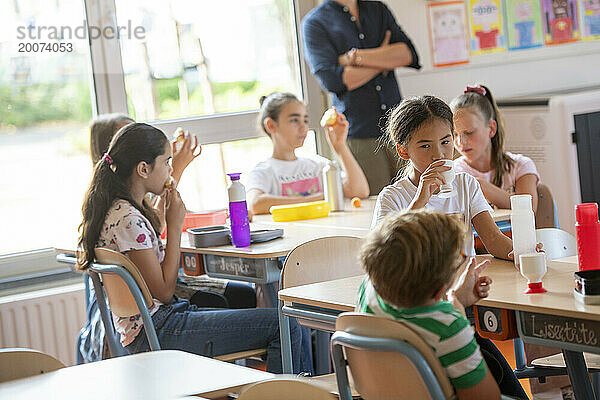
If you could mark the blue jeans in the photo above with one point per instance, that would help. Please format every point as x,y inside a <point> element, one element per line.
<point>213,332</point>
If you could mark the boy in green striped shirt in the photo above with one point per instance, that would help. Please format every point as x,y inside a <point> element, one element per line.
<point>412,260</point>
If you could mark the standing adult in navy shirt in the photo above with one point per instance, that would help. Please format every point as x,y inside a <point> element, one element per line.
<point>352,47</point>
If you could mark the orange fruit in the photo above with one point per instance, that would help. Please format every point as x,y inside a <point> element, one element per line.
<point>355,202</point>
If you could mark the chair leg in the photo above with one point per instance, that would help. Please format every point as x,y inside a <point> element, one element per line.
<point>578,374</point>
<point>519,354</point>
<point>286,341</point>
<point>596,384</point>
<point>341,372</point>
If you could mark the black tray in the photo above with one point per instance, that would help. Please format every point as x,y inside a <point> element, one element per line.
<point>264,235</point>
<point>588,282</point>
<point>209,236</point>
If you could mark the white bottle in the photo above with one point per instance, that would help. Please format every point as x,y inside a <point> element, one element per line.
<point>334,192</point>
<point>522,223</point>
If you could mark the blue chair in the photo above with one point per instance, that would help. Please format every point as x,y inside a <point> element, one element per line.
<point>387,360</point>
<point>318,260</point>
<point>93,305</point>
<point>116,278</point>
<point>127,293</point>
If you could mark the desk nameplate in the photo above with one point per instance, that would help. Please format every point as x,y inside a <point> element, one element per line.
<point>265,270</point>
<point>556,331</point>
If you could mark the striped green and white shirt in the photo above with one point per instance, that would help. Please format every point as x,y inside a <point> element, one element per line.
<point>445,329</point>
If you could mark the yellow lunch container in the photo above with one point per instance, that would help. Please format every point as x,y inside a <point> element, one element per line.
<point>300,211</point>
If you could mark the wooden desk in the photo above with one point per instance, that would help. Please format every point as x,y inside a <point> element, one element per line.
<point>293,235</point>
<point>165,374</point>
<point>507,291</point>
<point>552,319</point>
<point>261,262</point>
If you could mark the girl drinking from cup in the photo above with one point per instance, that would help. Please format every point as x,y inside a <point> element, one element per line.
<point>421,130</point>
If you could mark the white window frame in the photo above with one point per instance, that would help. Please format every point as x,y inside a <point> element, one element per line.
<point>216,128</point>
<point>109,96</point>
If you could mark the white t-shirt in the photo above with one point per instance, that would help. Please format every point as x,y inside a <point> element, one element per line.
<point>522,166</point>
<point>469,201</point>
<point>300,177</point>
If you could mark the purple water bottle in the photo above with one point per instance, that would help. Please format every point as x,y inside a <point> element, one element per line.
<point>238,212</point>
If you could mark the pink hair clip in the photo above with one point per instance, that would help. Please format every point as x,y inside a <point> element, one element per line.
<point>107,158</point>
<point>476,89</point>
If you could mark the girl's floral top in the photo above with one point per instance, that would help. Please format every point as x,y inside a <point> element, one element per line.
<point>125,229</point>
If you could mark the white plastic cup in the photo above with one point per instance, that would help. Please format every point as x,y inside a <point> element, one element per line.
<point>533,268</point>
<point>447,190</point>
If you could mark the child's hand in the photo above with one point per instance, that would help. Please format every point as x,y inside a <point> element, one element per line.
<point>430,181</point>
<point>182,157</point>
<point>338,132</point>
<point>175,209</point>
<point>456,304</point>
<point>471,287</point>
<point>539,248</point>
<point>159,207</point>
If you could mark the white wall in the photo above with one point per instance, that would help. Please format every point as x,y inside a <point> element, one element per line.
<point>508,74</point>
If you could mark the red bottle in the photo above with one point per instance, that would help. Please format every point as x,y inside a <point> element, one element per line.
<point>587,230</point>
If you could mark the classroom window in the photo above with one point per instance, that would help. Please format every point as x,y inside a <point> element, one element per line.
<point>206,57</point>
<point>204,62</point>
<point>45,107</point>
<point>193,68</point>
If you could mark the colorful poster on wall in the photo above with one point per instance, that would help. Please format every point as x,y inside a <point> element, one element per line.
<point>590,19</point>
<point>448,33</point>
<point>560,21</point>
<point>487,34</point>
<point>524,24</point>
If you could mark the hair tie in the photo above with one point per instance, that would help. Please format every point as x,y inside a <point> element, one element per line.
<point>475,89</point>
<point>107,158</point>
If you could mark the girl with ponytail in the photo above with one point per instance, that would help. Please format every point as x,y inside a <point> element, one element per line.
<point>479,136</point>
<point>116,216</point>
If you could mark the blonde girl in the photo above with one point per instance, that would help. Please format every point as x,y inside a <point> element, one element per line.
<point>479,136</point>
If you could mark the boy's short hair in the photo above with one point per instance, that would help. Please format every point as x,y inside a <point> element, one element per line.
<point>411,256</point>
